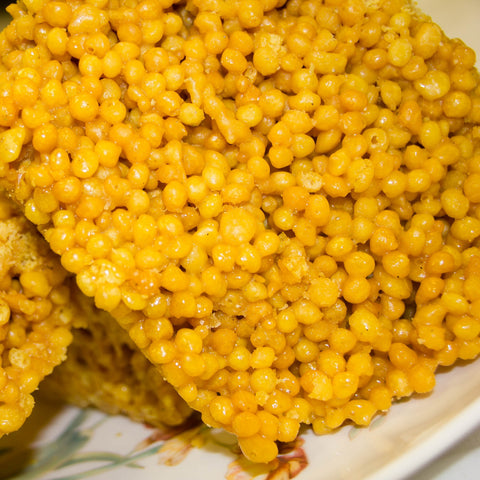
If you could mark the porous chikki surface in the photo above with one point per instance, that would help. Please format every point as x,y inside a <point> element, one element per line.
<point>35,315</point>
<point>104,369</point>
<point>277,200</point>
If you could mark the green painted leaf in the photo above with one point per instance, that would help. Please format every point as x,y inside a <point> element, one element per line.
<point>96,457</point>
<point>126,462</point>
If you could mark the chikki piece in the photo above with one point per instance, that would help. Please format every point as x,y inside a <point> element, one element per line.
<point>279,201</point>
<point>104,369</point>
<point>35,315</point>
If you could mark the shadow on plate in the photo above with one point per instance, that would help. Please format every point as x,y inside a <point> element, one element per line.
<point>14,460</point>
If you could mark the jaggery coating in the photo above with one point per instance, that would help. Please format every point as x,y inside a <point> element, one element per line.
<point>277,200</point>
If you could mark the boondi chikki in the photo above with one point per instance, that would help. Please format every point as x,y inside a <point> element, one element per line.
<point>278,200</point>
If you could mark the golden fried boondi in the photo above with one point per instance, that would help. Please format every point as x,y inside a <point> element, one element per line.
<point>35,315</point>
<point>277,200</point>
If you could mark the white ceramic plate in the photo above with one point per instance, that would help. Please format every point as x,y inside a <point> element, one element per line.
<point>70,444</point>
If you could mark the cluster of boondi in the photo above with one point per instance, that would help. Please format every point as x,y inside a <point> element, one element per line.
<point>40,309</point>
<point>279,201</point>
<point>35,316</point>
